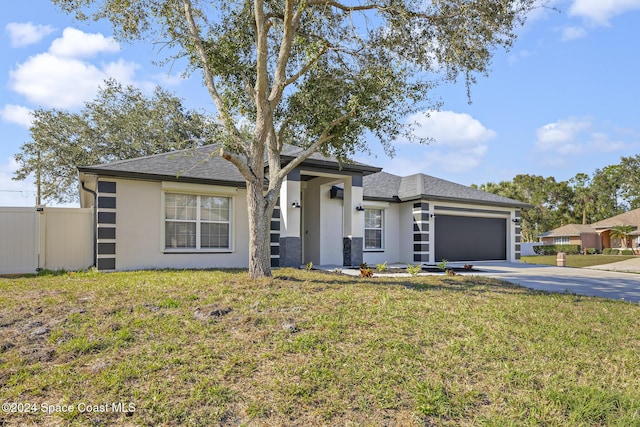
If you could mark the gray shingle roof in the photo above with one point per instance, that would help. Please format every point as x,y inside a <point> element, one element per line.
<point>627,218</point>
<point>569,230</point>
<point>204,164</point>
<point>421,186</point>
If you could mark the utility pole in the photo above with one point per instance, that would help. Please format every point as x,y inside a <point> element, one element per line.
<point>38,183</point>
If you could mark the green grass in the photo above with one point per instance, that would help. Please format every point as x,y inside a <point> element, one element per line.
<point>311,348</point>
<point>577,260</point>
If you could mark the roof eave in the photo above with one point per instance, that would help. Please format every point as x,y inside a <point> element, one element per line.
<point>159,177</point>
<point>516,204</point>
<point>347,167</point>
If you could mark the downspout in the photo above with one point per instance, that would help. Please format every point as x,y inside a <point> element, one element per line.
<point>95,221</point>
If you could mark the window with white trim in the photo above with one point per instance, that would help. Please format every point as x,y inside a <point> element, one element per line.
<point>197,222</point>
<point>563,240</point>
<point>373,229</point>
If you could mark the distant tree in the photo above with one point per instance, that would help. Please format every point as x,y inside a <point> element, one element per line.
<point>320,74</point>
<point>630,176</point>
<point>121,123</point>
<point>583,196</point>
<point>550,200</point>
<point>606,185</point>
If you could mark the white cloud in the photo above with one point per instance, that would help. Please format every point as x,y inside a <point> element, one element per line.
<point>26,33</point>
<point>78,44</point>
<point>574,136</point>
<point>460,143</point>
<point>451,129</point>
<point>464,160</point>
<point>16,114</point>
<point>554,135</point>
<point>15,193</point>
<point>50,81</point>
<point>573,33</point>
<point>62,78</point>
<point>599,12</point>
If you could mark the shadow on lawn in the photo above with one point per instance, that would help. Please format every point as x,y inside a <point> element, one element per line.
<point>460,283</point>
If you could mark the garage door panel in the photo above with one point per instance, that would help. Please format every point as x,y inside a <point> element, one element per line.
<point>463,238</point>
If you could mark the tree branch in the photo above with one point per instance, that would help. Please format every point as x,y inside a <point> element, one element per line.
<point>262,52</point>
<point>208,75</point>
<point>304,155</point>
<point>239,162</point>
<point>290,24</point>
<point>306,67</point>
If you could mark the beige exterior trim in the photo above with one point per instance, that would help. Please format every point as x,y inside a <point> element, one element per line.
<point>198,189</point>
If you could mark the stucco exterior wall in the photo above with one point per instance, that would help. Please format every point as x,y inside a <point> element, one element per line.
<point>591,240</point>
<point>405,232</point>
<point>330,228</point>
<point>390,252</point>
<point>140,230</point>
<point>311,225</point>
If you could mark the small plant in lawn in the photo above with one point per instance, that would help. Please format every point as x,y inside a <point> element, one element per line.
<point>414,269</point>
<point>450,272</point>
<point>309,266</point>
<point>443,264</point>
<point>365,271</point>
<point>381,267</point>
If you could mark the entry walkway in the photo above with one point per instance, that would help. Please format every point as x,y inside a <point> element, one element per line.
<point>582,281</point>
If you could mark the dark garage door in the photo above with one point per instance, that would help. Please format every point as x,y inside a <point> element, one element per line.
<point>464,238</point>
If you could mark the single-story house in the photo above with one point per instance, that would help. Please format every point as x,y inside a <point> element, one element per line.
<point>188,209</point>
<point>631,218</point>
<point>596,235</point>
<point>573,234</point>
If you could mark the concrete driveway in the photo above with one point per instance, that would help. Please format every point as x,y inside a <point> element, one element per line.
<point>582,281</point>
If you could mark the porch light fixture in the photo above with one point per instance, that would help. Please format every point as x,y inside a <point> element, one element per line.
<point>432,215</point>
<point>295,204</point>
<point>360,208</point>
<point>516,220</point>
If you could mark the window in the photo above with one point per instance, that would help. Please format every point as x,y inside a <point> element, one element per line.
<point>197,222</point>
<point>373,226</point>
<point>564,240</point>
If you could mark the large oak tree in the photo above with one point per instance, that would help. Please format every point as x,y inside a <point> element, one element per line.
<point>320,74</point>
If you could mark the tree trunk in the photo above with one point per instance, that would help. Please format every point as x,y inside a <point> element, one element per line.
<point>259,216</point>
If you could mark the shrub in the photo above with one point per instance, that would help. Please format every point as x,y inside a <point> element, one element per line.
<point>554,249</point>
<point>382,267</point>
<point>414,269</point>
<point>592,251</point>
<point>627,252</point>
<point>607,251</point>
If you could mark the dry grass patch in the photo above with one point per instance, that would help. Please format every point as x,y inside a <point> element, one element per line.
<point>308,348</point>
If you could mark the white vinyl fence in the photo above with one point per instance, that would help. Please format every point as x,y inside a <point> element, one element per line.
<point>526,248</point>
<point>45,238</point>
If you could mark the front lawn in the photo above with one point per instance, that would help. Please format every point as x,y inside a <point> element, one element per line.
<point>576,260</point>
<point>306,348</point>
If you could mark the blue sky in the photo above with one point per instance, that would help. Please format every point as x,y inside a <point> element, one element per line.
<point>564,100</point>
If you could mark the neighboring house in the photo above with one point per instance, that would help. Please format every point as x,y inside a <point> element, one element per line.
<point>596,235</point>
<point>188,209</point>
<point>573,234</point>
<point>604,227</point>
